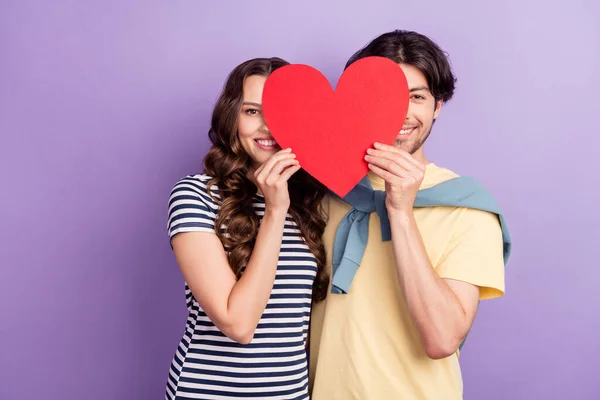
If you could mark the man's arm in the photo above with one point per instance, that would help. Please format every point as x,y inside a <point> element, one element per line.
<point>441,309</point>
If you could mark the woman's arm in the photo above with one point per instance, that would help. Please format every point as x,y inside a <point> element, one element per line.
<point>236,306</point>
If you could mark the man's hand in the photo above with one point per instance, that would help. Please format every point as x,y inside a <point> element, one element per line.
<point>401,172</point>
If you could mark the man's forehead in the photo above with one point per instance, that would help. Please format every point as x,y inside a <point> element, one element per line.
<point>419,88</point>
<point>414,75</point>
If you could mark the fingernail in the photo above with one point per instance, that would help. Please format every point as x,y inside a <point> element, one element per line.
<point>369,151</point>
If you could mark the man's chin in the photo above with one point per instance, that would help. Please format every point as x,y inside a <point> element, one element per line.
<point>409,147</point>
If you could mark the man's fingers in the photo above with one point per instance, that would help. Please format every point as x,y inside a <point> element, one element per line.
<point>393,157</point>
<point>404,154</point>
<point>397,171</point>
<point>382,173</point>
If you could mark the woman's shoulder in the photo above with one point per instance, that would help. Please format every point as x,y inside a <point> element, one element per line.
<point>198,185</point>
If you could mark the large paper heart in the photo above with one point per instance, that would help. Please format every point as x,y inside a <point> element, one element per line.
<point>330,131</point>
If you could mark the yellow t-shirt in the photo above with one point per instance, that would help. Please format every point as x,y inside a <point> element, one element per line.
<point>363,344</point>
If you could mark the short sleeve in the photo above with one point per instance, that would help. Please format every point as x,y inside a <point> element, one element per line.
<point>190,207</point>
<point>475,253</point>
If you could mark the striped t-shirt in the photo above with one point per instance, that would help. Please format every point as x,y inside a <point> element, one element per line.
<point>209,365</point>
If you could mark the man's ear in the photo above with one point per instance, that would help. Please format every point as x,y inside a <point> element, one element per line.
<point>438,108</point>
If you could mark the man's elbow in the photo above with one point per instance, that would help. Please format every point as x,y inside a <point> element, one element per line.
<point>439,349</point>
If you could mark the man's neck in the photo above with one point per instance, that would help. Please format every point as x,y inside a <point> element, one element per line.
<point>419,155</point>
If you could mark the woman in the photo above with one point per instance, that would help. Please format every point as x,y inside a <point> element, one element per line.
<point>247,238</point>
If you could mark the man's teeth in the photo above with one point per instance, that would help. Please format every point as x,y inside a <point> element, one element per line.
<point>266,142</point>
<point>406,131</point>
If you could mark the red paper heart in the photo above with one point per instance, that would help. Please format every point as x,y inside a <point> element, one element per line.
<point>330,131</point>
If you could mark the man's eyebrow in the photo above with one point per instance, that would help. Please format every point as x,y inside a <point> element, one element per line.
<point>419,88</point>
<point>250,103</point>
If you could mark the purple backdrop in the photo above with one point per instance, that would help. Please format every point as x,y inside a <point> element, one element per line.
<point>105,104</point>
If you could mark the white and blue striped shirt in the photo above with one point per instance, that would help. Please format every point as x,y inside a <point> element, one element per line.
<point>209,365</point>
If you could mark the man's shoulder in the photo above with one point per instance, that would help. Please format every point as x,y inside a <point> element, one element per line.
<point>477,213</point>
<point>435,174</point>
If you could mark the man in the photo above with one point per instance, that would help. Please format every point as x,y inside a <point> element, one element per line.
<point>395,332</point>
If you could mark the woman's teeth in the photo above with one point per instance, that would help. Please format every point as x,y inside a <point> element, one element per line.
<point>266,143</point>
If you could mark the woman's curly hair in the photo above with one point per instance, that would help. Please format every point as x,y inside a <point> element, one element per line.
<point>229,166</point>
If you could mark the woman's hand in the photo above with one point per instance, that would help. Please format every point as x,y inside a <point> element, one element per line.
<point>272,177</point>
